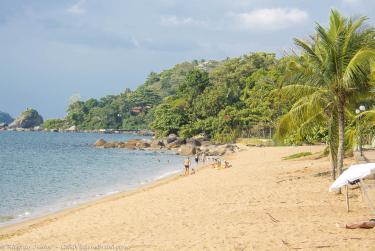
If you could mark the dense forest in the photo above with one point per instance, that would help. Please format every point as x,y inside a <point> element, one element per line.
<point>223,100</point>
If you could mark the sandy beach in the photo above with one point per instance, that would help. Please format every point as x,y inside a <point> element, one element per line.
<point>261,203</point>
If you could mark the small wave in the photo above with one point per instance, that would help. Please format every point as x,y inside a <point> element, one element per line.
<point>25,214</point>
<point>167,174</point>
<point>106,194</point>
<point>112,192</point>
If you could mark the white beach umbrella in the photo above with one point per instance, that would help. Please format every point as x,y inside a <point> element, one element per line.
<point>354,172</point>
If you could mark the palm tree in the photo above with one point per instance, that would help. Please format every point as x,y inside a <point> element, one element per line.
<point>332,73</point>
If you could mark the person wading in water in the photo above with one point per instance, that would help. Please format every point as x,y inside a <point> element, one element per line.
<point>187,164</point>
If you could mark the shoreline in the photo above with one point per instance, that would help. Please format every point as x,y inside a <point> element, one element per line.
<point>9,230</point>
<point>145,133</point>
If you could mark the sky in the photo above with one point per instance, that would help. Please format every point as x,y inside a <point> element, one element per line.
<point>51,50</point>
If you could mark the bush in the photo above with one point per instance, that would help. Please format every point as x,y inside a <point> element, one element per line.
<point>55,124</point>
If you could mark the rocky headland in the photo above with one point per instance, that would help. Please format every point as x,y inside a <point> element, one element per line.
<point>172,142</point>
<point>28,119</point>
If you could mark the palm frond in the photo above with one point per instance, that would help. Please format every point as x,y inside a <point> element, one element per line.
<point>296,91</point>
<point>319,119</point>
<point>308,50</point>
<point>357,71</point>
<point>306,111</point>
<point>353,27</point>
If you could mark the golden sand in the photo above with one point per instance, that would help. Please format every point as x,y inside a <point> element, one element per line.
<point>261,203</point>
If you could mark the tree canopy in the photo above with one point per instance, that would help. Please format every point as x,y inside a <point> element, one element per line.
<point>330,78</point>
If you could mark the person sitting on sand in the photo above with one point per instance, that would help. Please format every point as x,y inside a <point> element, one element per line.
<point>214,164</point>
<point>187,164</point>
<point>361,224</point>
<point>217,163</point>
<point>226,164</point>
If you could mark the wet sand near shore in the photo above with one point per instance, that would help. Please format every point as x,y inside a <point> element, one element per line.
<point>261,203</point>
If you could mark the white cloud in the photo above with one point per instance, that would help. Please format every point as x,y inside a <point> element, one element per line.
<point>177,21</point>
<point>77,8</point>
<point>270,19</point>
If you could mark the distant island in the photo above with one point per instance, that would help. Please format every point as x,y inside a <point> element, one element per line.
<point>5,118</point>
<point>28,119</point>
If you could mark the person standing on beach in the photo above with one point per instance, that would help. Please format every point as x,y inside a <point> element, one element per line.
<point>204,158</point>
<point>196,158</point>
<point>187,164</point>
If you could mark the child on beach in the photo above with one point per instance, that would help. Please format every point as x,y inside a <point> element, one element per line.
<point>187,164</point>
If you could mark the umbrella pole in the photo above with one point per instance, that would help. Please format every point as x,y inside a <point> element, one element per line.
<point>347,198</point>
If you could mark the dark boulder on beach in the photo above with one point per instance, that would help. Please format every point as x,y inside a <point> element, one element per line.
<point>176,143</point>
<point>171,138</point>
<point>28,119</point>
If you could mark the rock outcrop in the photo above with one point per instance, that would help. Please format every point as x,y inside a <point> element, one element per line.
<point>171,138</point>
<point>187,150</point>
<point>111,144</point>
<point>28,119</point>
<point>174,144</point>
<point>194,142</point>
<point>100,143</point>
<point>156,144</point>
<point>142,145</point>
<point>218,150</point>
<point>72,129</point>
<point>132,143</point>
<point>180,146</point>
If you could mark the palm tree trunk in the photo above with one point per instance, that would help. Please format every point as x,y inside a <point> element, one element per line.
<point>333,161</point>
<point>333,142</point>
<point>341,125</point>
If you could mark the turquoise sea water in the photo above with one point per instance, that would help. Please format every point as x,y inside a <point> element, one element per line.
<point>43,172</point>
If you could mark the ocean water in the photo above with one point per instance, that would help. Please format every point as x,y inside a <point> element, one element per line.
<point>43,172</point>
